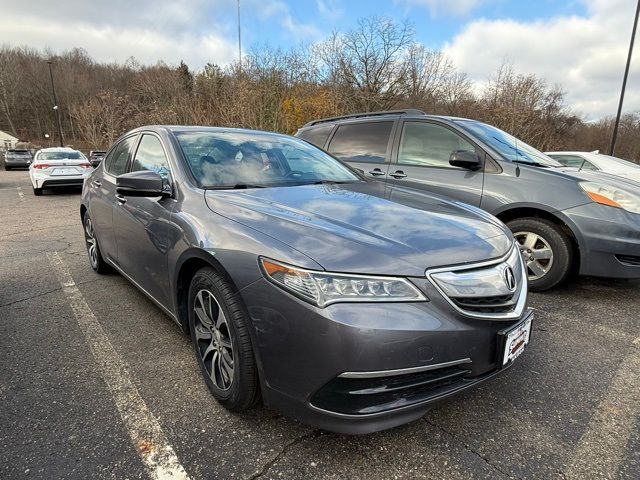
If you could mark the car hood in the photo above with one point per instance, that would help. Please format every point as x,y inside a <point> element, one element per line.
<point>626,182</point>
<point>354,228</point>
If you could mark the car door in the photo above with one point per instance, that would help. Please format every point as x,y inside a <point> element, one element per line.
<point>421,160</point>
<point>102,195</point>
<point>141,224</point>
<point>364,145</point>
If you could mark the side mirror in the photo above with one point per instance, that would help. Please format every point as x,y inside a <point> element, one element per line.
<point>143,183</point>
<point>465,159</point>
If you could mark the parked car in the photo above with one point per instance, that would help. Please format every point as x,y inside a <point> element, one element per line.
<point>342,304</point>
<point>562,218</point>
<point>96,156</point>
<point>17,158</point>
<point>58,167</point>
<point>596,161</point>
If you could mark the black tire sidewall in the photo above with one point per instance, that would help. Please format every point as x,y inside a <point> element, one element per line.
<point>242,392</point>
<point>560,246</point>
<point>101,266</point>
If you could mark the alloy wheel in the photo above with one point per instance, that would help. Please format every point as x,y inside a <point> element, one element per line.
<point>89,236</point>
<point>536,252</point>
<point>213,339</point>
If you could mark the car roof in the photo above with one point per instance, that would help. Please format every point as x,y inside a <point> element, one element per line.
<point>410,114</point>
<point>203,128</point>
<point>58,149</point>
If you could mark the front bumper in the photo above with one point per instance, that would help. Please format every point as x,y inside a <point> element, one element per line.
<point>308,357</point>
<point>609,240</point>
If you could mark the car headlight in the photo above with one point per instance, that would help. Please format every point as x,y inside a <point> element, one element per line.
<point>324,288</point>
<point>612,196</point>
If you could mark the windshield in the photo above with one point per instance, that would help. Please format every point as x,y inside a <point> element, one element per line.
<point>239,159</point>
<point>74,155</point>
<point>507,145</point>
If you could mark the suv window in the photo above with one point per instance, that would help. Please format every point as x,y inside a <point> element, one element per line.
<point>574,161</point>
<point>361,142</point>
<point>150,156</point>
<point>116,161</point>
<point>317,136</point>
<point>429,145</point>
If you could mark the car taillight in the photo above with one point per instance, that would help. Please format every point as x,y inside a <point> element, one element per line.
<point>85,165</point>
<point>41,165</point>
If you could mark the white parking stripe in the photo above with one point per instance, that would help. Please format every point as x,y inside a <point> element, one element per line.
<point>602,448</point>
<point>148,438</point>
<point>20,193</point>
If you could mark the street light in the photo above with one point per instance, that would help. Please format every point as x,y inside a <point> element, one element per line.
<point>55,105</point>
<point>624,82</point>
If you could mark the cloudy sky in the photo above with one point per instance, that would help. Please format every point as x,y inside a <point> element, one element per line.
<point>579,44</point>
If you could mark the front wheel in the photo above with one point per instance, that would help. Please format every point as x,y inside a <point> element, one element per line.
<point>37,191</point>
<point>220,336</point>
<point>546,250</point>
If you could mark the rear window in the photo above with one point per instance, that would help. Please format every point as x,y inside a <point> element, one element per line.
<point>362,142</point>
<point>74,155</point>
<point>316,136</point>
<point>19,153</point>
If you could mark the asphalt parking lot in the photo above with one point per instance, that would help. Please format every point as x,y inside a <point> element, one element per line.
<point>93,374</point>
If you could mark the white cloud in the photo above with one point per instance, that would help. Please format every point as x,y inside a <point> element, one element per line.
<point>585,55</point>
<point>329,10</point>
<point>441,8</point>
<point>279,10</point>
<point>152,31</point>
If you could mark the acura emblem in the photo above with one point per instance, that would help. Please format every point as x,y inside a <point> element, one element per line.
<point>509,279</point>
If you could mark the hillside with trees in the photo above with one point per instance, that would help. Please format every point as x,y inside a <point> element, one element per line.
<point>378,65</point>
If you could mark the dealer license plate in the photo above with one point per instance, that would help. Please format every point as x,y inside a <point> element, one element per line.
<point>64,171</point>
<point>516,340</point>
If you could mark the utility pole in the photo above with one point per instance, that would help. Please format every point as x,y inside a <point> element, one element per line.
<point>56,108</point>
<point>624,82</point>
<point>240,38</point>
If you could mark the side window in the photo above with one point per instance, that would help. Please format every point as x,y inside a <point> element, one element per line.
<point>116,161</point>
<point>574,161</point>
<point>317,136</point>
<point>150,156</point>
<point>429,145</point>
<point>361,142</point>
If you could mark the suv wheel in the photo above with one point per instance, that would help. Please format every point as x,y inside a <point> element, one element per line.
<point>93,250</point>
<point>37,191</point>
<point>546,250</point>
<point>220,336</point>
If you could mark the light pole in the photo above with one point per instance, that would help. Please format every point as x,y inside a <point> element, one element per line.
<point>55,104</point>
<point>624,82</point>
<point>239,38</point>
<point>46,136</point>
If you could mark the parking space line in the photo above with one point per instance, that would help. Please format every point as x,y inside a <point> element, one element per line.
<point>601,449</point>
<point>20,193</point>
<point>148,438</point>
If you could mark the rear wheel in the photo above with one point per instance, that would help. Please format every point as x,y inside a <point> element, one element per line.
<point>93,250</point>
<point>220,336</point>
<point>7,168</point>
<point>37,191</point>
<point>546,250</point>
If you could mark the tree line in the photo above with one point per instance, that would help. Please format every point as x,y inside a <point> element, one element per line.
<point>377,65</point>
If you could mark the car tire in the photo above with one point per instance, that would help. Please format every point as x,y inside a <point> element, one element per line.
<point>37,191</point>
<point>223,345</point>
<point>546,249</point>
<point>93,250</point>
<point>7,168</point>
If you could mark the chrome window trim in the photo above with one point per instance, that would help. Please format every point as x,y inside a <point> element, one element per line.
<point>404,371</point>
<point>522,292</point>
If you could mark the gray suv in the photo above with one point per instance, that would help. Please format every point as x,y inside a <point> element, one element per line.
<point>563,218</point>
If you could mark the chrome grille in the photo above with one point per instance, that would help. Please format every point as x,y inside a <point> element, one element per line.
<point>493,289</point>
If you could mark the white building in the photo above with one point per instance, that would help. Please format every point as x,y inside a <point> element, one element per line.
<point>7,141</point>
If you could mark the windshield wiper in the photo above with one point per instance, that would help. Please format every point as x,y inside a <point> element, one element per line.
<point>533,164</point>
<point>330,182</point>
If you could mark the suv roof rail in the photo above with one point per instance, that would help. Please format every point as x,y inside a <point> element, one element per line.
<point>408,111</point>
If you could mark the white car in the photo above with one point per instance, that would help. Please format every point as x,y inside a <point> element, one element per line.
<point>597,161</point>
<point>58,167</point>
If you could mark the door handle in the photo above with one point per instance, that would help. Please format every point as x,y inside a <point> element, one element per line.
<point>121,200</point>
<point>96,183</point>
<point>376,172</point>
<point>398,174</point>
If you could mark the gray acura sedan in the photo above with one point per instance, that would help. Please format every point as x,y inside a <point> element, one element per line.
<point>344,303</point>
